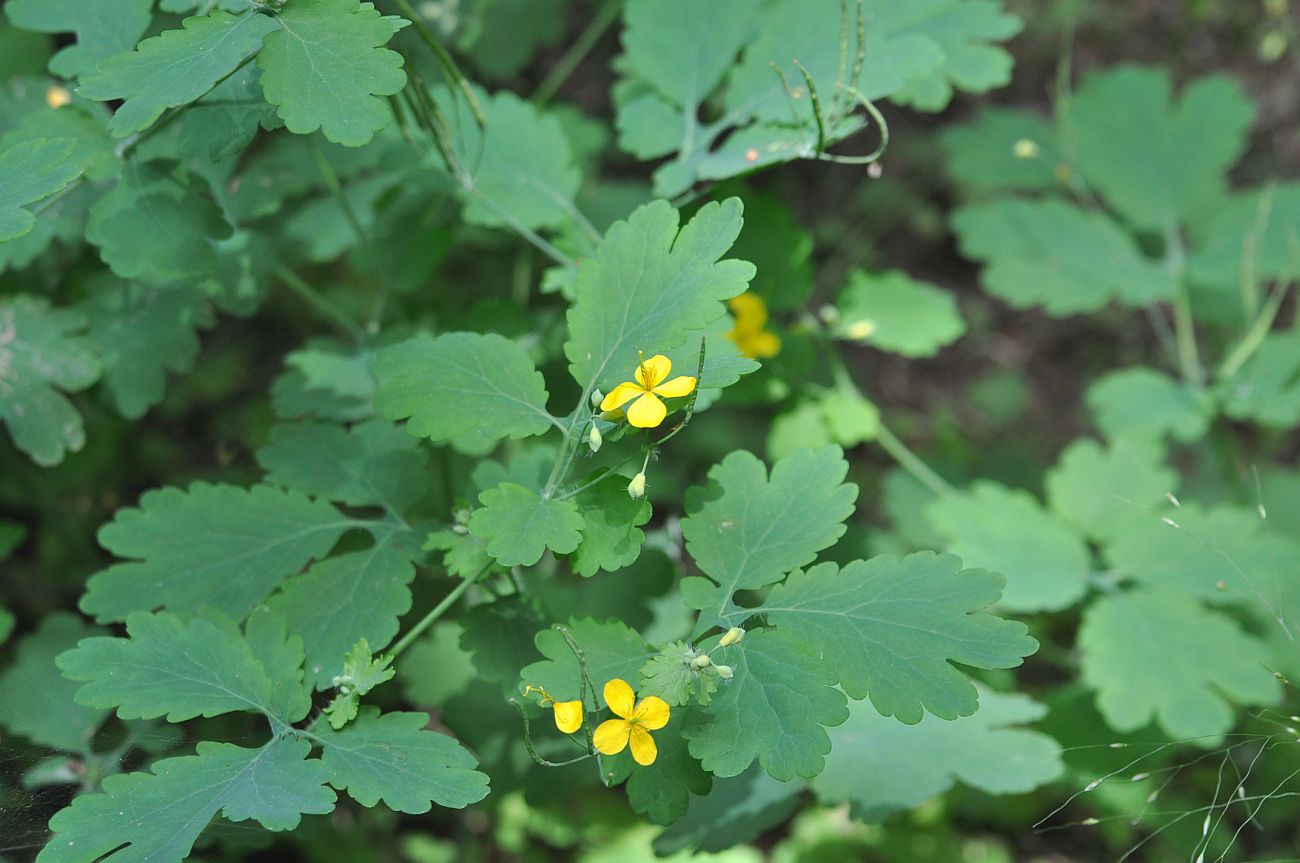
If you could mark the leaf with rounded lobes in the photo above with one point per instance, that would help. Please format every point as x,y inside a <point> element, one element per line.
<point>1267,388</point>
<point>897,313</point>
<point>735,810</point>
<point>1053,254</point>
<point>394,758</point>
<point>1195,664</point>
<point>759,529</point>
<point>610,649</point>
<point>460,383</point>
<point>773,710</point>
<point>373,463</point>
<point>519,525</point>
<point>1157,161</point>
<point>41,352</point>
<point>39,703</point>
<point>103,28</point>
<point>170,668</point>
<point>30,171</point>
<point>327,68</point>
<point>215,545</point>
<point>880,766</point>
<point>1143,402</point>
<point>967,32</point>
<point>157,815</point>
<point>175,68</point>
<point>649,287</point>
<point>1044,560</point>
<point>611,532</point>
<point>499,635</point>
<point>664,793</point>
<point>981,155</point>
<point>891,628</point>
<point>1101,490</point>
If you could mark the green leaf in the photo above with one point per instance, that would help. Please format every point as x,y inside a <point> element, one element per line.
<point>670,675</point>
<point>391,757</point>
<point>649,286</point>
<point>1267,388</point>
<point>965,30</point>
<point>611,527</point>
<point>362,672</point>
<point>347,598</point>
<point>224,121</point>
<point>500,636</point>
<point>879,766</point>
<point>460,383</point>
<point>736,810</point>
<point>103,28</point>
<point>235,546</point>
<point>663,793</point>
<point>981,155</point>
<point>1045,562</point>
<point>894,312</point>
<point>327,381</point>
<point>371,464</point>
<point>891,628</point>
<point>519,525</point>
<point>41,352</point>
<point>142,333</point>
<point>1145,402</point>
<point>610,649</point>
<point>1052,254</point>
<point>1220,554</point>
<point>326,68</point>
<point>35,701</point>
<point>436,669</point>
<point>30,171</point>
<point>1253,230</point>
<point>158,815</point>
<point>758,529</point>
<point>520,164</point>
<point>773,710</point>
<point>1195,664</point>
<point>157,227</point>
<point>174,68</point>
<point>1101,490</point>
<point>170,668</point>
<point>281,654</point>
<point>1156,161</point>
<point>465,555</point>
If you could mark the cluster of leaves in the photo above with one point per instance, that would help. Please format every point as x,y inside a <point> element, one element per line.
<point>434,497</point>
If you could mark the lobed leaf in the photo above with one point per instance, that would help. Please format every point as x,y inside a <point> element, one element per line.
<point>30,171</point>
<point>519,525</point>
<point>35,701</point>
<point>102,27</point>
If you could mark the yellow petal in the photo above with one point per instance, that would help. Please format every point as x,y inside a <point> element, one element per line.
<point>611,736</point>
<point>620,395</point>
<point>762,345</point>
<point>644,751</point>
<point>652,713</point>
<point>647,412</point>
<point>653,370</point>
<point>750,310</point>
<point>568,715</point>
<point>676,388</point>
<point>620,698</point>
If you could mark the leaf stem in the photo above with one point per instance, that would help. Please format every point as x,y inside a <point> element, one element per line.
<point>1189,361</point>
<point>444,58</point>
<point>605,16</point>
<point>317,300</point>
<point>436,612</point>
<point>911,462</point>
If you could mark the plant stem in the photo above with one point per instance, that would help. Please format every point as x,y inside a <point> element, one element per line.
<point>436,612</point>
<point>318,301</point>
<point>605,16</point>
<point>911,462</point>
<point>1189,361</point>
<point>444,58</point>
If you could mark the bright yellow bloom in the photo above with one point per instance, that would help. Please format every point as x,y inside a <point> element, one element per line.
<point>568,714</point>
<point>634,724</point>
<point>646,411</point>
<point>749,334</point>
<point>57,97</point>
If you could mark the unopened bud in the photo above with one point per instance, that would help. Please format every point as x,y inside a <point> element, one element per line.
<point>701,661</point>
<point>57,97</point>
<point>724,671</point>
<point>1025,149</point>
<point>596,398</point>
<point>860,329</point>
<point>732,636</point>
<point>636,488</point>
<point>594,439</point>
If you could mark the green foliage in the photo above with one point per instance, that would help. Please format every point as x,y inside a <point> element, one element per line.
<point>1149,403</point>
<point>897,313</point>
<point>30,171</point>
<point>102,28</point>
<point>35,702</point>
<point>362,672</point>
<point>519,525</point>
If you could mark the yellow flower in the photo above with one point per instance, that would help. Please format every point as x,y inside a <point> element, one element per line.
<point>568,714</point>
<point>646,411</point>
<point>634,724</point>
<point>749,334</point>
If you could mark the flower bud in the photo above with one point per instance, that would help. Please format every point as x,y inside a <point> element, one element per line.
<point>636,488</point>
<point>594,439</point>
<point>860,329</point>
<point>596,398</point>
<point>724,671</point>
<point>701,661</point>
<point>1025,149</point>
<point>733,636</point>
<point>57,97</point>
